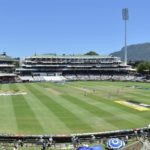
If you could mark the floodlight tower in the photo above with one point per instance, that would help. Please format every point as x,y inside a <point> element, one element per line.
<point>125,17</point>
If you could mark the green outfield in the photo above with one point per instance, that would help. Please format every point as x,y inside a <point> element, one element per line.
<point>75,107</point>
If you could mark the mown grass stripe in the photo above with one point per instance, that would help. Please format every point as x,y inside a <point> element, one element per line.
<point>96,122</point>
<point>66,116</point>
<point>139,97</point>
<point>134,98</point>
<point>106,114</point>
<point>125,112</point>
<point>105,102</point>
<point>104,97</point>
<point>26,119</point>
<point>7,116</point>
<point>50,123</point>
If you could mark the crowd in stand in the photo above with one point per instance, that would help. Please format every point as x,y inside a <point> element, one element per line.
<point>107,77</point>
<point>78,142</point>
<point>81,77</point>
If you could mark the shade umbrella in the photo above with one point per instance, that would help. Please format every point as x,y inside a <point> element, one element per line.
<point>96,147</point>
<point>115,143</point>
<point>84,148</point>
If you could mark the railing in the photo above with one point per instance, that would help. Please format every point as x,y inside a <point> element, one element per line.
<point>82,136</point>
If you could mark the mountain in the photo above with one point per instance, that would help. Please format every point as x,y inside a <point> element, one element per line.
<point>136,52</point>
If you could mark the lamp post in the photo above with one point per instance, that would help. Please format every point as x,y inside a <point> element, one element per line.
<point>125,17</point>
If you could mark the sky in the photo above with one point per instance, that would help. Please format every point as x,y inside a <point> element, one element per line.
<point>71,26</point>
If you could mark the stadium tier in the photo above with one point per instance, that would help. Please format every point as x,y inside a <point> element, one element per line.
<point>7,68</point>
<point>47,65</point>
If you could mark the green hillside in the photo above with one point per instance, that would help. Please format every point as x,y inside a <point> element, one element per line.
<point>136,52</point>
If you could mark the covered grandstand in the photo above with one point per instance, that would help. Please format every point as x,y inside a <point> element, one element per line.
<point>7,69</point>
<point>71,67</point>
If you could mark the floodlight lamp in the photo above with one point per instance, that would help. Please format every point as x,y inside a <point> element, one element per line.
<point>125,15</point>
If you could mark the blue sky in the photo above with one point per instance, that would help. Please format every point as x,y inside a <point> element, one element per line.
<point>70,26</point>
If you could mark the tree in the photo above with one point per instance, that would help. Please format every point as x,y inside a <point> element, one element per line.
<point>17,62</point>
<point>134,64</point>
<point>91,53</point>
<point>143,67</point>
<point>140,68</point>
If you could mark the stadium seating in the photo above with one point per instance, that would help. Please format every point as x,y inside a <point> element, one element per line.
<point>54,78</point>
<point>26,78</point>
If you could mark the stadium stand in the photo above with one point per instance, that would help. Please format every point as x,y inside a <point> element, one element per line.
<point>59,68</point>
<point>26,78</point>
<point>141,135</point>
<point>7,69</point>
<point>72,67</point>
<point>54,78</point>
